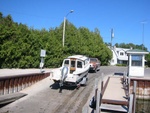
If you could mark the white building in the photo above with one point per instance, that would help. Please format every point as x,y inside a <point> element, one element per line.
<point>136,62</point>
<point>119,56</point>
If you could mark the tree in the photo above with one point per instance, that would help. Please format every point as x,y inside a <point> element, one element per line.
<point>20,46</point>
<point>147,57</point>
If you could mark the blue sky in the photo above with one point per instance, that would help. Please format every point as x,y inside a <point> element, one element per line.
<point>124,16</point>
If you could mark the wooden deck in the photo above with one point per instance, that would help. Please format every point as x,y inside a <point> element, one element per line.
<point>113,94</point>
<point>114,97</point>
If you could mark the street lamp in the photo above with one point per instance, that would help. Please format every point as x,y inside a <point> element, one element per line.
<point>71,11</point>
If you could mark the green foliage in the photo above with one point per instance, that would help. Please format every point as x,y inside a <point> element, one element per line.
<point>123,45</point>
<point>20,46</point>
<point>147,57</point>
<point>121,65</point>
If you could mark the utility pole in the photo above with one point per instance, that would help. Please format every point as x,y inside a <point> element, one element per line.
<point>143,23</point>
<point>112,35</point>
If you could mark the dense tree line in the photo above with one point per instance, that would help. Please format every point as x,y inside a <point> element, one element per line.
<point>20,45</point>
<point>131,45</point>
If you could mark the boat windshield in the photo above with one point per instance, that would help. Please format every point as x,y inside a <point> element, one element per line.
<point>66,63</point>
<point>79,64</point>
<point>72,63</point>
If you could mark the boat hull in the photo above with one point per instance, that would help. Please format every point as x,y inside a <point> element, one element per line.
<point>77,67</point>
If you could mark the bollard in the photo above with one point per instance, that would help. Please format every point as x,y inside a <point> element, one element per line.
<point>130,103</point>
<point>134,96</point>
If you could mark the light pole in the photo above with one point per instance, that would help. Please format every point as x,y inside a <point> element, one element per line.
<point>71,11</point>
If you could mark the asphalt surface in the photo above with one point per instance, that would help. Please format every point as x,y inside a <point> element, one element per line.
<point>44,96</point>
<point>111,70</point>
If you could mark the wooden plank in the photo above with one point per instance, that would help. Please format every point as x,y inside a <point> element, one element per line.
<point>111,107</point>
<point>105,86</point>
<point>116,102</point>
<point>5,99</point>
<point>114,97</point>
<point>114,90</point>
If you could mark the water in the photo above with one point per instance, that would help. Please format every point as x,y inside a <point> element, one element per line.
<point>142,106</point>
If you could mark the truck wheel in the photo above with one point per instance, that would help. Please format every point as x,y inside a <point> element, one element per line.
<point>78,86</point>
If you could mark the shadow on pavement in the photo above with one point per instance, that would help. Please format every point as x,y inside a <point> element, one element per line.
<point>93,71</point>
<point>56,87</point>
<point>3,105</point>
<point>120,74</point>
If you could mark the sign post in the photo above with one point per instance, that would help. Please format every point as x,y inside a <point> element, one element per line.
<point>43,54</point>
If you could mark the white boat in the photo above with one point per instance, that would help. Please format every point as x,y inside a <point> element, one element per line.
<point>73,72</point>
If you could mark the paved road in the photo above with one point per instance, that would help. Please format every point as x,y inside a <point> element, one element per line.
<point>104,69</point>
<point>44,96</point>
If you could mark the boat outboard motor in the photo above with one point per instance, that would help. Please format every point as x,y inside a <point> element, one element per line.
<point>64,72</point>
